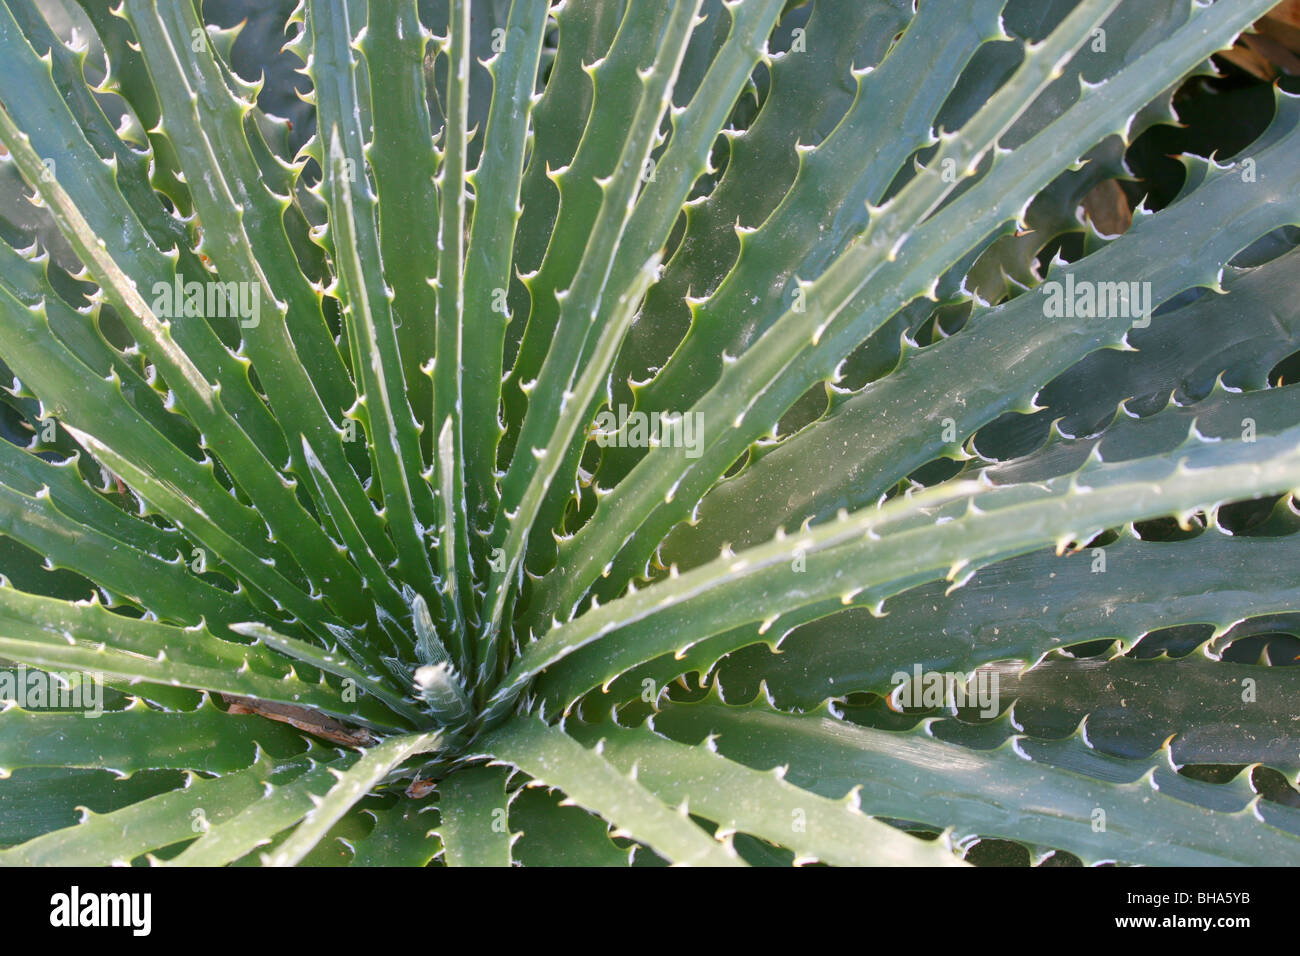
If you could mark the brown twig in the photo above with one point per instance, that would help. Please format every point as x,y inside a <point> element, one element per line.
<point>304,718</point>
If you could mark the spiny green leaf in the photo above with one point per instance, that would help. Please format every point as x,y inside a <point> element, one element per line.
<point>555,759</point>
<point>394,433</point>
<point>404,835</point>
<point>122,835</point>
<point>497,181</point>
<point>946,531</point>
<point>666,484</point>
<point>351,785</point>
<point>912,776</point>
<point>138,738</point>
<point>280,807</point>
<point>474,818</point>
<point>50,633</point>
<point>764,804</point>
<point>403,161</point>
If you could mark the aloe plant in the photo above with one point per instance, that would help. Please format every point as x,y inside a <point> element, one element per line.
<point>583,446</point>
